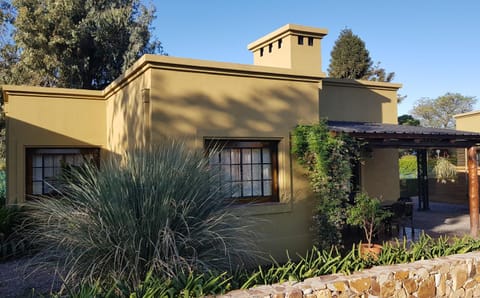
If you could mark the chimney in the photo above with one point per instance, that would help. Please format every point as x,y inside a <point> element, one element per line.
<point>291,46</point>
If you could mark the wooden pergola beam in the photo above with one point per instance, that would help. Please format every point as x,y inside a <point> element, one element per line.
<point>473,190</point>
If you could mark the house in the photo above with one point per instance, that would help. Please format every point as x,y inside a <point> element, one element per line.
<point>250,109</point>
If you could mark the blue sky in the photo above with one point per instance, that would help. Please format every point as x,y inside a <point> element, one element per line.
<point>432,46</point>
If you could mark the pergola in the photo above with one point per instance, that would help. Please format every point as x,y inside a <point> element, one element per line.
<point>381,135</point>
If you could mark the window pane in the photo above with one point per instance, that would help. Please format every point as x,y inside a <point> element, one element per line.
<point>257,188</point>
<point>247,156</point>
<point>57,161</point>
<point>37,188</point>
<point>225,156</point>
<point>256,172</point>
<point>247,189</point>
<point>266,155</point>
<point>226,173</point>
<point>236,173</point>
<point>267,172</point>
<point>267,188</point>
<point>70,159</point>
<point>236,190</point>
<point>37,174</point>
<point>48,172</point>
<point>235,156</point>
<point>256,154</point>
<point>247,172</point>
<point>48,161</point>
<point>37,160</point>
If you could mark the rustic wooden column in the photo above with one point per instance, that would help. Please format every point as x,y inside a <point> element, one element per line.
<point>473,190</point>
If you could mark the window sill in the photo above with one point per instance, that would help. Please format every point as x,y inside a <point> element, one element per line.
<point>261,208</point>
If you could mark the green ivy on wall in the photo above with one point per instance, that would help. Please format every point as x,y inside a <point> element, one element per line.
<point>329,158</point>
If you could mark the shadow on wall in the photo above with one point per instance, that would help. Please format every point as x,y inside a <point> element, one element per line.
<point>353,101</point>
<point>262,113</point>
<point>126,116</point>
<point>24,135</point>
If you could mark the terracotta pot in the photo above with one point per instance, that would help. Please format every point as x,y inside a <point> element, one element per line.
<point>370,251</point>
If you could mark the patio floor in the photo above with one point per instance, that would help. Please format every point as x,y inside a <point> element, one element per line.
<point>441,219</point>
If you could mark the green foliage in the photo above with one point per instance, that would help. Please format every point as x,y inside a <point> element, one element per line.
<point>328,159</point>
<point>12,244</point>
<point>444,170</point>
<point>160,210</point>
<point>367,214</point>
<point>406,119</point>
<point>408,166</point>
<point>80,44</point>
<point>315,263</point>
<point>350,58</point>
<point>439,112</point>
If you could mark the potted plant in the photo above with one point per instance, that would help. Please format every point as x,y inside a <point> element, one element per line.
<point>367,213</point>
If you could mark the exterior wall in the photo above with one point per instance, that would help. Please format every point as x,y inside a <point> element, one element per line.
<point>128,113</point>
<point>356,100</point>
<point>364,101</point>
<point>468,121</point>
<point>451,276</point>
<point>209,102</point>
<point>48,117</point>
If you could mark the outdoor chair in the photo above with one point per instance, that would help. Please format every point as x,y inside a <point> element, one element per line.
<point>402,215</point>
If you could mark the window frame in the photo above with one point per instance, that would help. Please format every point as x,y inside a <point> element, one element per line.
<point>62,151</point>
<point>220,144</point>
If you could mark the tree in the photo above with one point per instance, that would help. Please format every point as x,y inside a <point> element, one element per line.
<point>406,119</point>
<point>350,59</point>
<point>80,44</point>
<point>439,112</point>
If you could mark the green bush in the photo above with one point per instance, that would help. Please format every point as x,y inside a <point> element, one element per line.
<point>12,244</point>
<point>408,167</point>
<point>161,211</point>
<point>315,263</point>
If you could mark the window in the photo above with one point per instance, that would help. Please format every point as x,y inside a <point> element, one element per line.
<point>46,165</point>
<point>249,169</point>
<point>270,47</point>
<point>300,40</point>
<point>310,41</point>
<point>261,52</point>
<point>280,43</point>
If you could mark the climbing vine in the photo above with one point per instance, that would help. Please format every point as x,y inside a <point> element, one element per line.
<point>328,158</point>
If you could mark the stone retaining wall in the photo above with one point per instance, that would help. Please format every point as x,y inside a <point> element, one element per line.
<point>452,276</point>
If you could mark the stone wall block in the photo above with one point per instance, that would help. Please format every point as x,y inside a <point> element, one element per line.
<point>323,294</point>
<point>410,285</point>
<point>459,277</point>
<point>427,289</point>
<point>360,285</point>
<point>401,275</point>
<point>387,289</point>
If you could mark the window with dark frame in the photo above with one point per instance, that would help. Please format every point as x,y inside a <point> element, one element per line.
<point>248,169</point>
<point>44,166</point>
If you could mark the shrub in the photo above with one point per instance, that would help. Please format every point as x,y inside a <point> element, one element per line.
<point>12,243</point>
<point>160,210</point>
<point>408,166</point>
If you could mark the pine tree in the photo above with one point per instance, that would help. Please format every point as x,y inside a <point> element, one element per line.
<point>350,58</point>
<point>79,43</point>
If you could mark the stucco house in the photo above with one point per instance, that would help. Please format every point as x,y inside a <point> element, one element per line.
<point>251,109</point>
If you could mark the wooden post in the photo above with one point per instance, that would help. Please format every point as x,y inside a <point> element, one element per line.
<point>473,190</point>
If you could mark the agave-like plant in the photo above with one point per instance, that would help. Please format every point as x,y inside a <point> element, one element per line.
<point>160,210</point>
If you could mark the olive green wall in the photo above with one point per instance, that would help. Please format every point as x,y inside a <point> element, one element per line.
<point>48,117</point>
<point>194,102</point>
